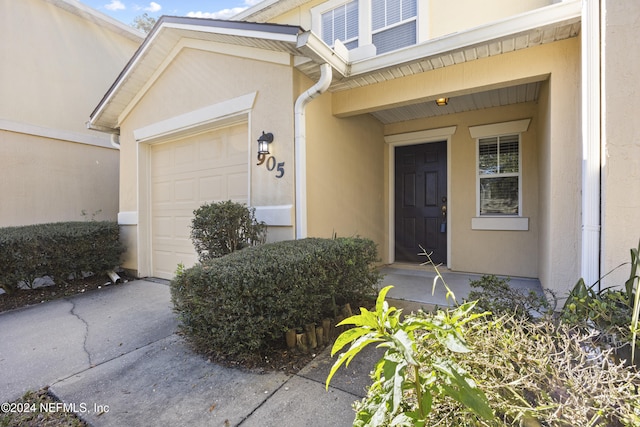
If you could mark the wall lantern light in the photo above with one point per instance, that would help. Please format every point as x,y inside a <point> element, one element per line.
<point>441,102</point>
<point>263,142</point>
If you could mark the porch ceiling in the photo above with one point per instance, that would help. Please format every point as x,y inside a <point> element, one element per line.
<point>476,101</point>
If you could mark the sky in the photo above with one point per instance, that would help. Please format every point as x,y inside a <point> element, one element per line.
<point>126,10</point>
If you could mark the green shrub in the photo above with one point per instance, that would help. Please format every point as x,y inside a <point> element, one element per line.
<point>58,250</point>
<point>218,229</point>
<point>236,306</point>
<point>494,294</point>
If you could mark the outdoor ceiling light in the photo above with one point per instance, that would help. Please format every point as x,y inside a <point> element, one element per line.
<point>263,142</point>
<point>441,102</point>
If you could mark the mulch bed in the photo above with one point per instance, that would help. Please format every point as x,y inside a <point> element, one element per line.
<point>27,297</point>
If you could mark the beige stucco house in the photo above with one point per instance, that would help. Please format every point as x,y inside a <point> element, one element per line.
<point>56,58</point>
<point>500,135</point>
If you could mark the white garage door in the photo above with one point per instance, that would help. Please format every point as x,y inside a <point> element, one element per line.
<point>185,174</point>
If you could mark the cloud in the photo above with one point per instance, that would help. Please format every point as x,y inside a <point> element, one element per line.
<point>221,14</point>
<point>115,5</point>
<point>224,13</point>
<point>153,7</point>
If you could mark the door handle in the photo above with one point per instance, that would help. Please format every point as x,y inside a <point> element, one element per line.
<point>444,210</point>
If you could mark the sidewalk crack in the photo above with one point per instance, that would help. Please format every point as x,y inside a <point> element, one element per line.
<point>86,330</point>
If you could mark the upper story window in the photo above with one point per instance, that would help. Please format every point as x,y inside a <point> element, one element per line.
<point>499,175</point>
<point>341,23</point>
<point>393,24</point>
<point>369,27</point>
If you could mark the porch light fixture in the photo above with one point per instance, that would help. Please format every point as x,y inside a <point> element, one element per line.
<point>441,102</point>
<point>263,142</point>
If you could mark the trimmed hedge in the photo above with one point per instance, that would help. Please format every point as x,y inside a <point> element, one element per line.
<point>58,250</point>
<point>238,305</point>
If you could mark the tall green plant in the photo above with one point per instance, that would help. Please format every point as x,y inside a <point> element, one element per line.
<point>633,294</point>
<point>612,311</point>
<point>407,382</point>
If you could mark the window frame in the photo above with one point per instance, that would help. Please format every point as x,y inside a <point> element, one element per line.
<point>365,33</point>
<point>319,11</point>
<point>501,221</point>
<point>388,27</point>
<point>498,174</point>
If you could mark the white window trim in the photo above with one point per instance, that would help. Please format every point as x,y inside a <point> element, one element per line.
<point>318,11</point>
<point>365,48</point>
<point>500,222</point>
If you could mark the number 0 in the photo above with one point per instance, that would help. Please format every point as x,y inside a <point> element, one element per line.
<point>271,165</point>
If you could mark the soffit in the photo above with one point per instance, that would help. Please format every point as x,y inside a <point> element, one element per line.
<point>528,92</point>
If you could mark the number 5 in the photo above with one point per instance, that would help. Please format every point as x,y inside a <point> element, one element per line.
<point>280,170</point>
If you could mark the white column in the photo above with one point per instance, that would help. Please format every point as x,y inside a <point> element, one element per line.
<point>591,141</point>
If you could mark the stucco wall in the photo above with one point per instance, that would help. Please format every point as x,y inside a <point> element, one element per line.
<point>60,64</point>
<point>345,174</point>
<point>450,16</point>
<point>55,68</point>
<point>621,137</point>
<point>196,79</point>
<point>44,180</point>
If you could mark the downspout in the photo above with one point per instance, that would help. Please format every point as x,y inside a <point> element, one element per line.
<point>115,140</point>
<point>115,135</point>
<point>300,144</point>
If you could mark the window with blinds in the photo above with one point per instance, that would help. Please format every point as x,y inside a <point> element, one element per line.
<point>393,24</point>
<point>341,23</point>
<point>499,175</point>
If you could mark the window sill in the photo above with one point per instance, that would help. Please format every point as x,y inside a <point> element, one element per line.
<point>500,223</point>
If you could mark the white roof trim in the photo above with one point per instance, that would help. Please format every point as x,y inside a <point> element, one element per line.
<point>90,14</point>
<point>264,35</point>
<point>52,133</point>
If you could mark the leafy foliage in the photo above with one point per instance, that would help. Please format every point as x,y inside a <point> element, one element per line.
<point>539,374</point>
<point>407,382</point>
<point>218,229</point>
<point>238,305</point>
<point>144,22</point>
<point>494,294</point>
<point>59,250</point>
<point>612,312</point>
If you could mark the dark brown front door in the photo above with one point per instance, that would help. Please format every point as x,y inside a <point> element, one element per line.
<point>420,201</point>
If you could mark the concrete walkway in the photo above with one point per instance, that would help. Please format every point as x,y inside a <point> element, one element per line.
<point>114,357</point>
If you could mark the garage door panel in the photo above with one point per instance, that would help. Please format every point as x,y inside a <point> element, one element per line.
<point>185,189</point>
<point>185,174</point>
<point>237,186</point>
<point>212,187</point>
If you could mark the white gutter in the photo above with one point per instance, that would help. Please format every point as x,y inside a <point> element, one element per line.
<point>300,143</point>
<point>591,143</point>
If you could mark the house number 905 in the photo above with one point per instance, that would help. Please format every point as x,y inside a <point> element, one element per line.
<point>271,164</point>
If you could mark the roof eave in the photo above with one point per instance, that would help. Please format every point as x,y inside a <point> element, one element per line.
<point>561,12</point>
<point>273,32</point>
